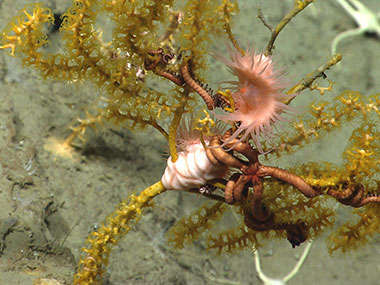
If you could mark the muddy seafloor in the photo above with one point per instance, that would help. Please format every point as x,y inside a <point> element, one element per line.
<point>48,205</point>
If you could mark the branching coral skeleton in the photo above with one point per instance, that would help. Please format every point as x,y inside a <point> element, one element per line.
<point>227,166</point>
<point>367,21</point>
<point>280,281</point>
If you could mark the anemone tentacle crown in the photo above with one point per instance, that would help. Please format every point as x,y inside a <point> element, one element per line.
<point>257,96</point>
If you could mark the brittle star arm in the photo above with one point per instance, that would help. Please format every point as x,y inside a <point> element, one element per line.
<point>185,72</point>
<point>289,178</point>
<point>354,196</point>
<point>366,20</point>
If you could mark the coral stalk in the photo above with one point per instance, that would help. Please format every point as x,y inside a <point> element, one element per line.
<point>91,266</point>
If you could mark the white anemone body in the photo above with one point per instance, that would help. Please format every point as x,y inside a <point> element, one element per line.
<point>192,169</point>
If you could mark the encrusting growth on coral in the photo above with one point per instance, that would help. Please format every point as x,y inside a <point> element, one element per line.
<point>153,42</point>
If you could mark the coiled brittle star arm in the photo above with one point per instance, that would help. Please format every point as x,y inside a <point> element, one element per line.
<point>354,196</point>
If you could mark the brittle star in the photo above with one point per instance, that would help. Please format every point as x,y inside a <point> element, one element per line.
<point>367,21</point>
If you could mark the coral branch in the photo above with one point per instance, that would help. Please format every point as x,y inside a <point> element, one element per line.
<point>310,78</point>
<point>285,20</point>
<point>117,225</point>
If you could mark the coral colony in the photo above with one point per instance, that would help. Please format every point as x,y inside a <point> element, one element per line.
<point>223,152</point>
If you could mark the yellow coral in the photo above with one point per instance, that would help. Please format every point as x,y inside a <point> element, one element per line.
<point>118,223</point>
<point>118,69</point>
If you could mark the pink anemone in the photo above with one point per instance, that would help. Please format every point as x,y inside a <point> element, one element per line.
<point>257,95</point>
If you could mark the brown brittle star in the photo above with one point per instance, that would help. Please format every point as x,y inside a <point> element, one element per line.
<point>257,217</point>
<point>253,168</point>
